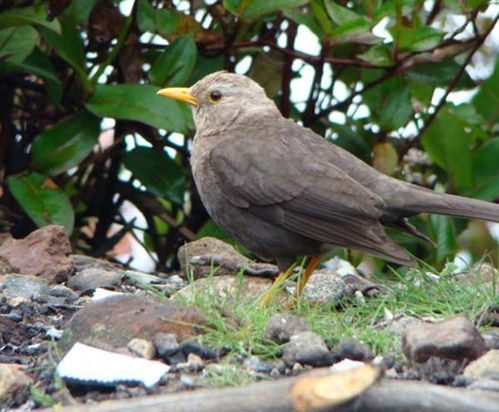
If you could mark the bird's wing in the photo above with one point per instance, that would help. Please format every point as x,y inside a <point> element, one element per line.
<point>282,180</point>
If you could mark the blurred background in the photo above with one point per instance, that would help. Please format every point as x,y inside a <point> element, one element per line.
<point>409,86</point>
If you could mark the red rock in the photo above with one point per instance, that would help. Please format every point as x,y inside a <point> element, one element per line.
<point>113,322</point>
<point>454,338</point>
<point>44,253</point>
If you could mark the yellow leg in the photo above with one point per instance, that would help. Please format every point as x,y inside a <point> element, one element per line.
<point>312,264</point>
<point>279,280</point>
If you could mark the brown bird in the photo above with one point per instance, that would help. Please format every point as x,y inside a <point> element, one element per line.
<point>283,191</point>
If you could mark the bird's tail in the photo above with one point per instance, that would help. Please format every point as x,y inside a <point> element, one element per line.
<point>444,204</point>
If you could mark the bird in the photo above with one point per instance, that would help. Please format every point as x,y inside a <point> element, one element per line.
<point>284,192</point>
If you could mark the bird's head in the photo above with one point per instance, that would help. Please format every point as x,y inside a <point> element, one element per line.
<point>221,97</point>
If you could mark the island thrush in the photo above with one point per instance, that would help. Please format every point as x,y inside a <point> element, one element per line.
<point>284,191</point>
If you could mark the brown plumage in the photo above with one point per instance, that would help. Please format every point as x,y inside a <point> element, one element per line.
<point>284,191</point>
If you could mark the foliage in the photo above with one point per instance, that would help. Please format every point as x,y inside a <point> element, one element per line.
<point>75,73</point>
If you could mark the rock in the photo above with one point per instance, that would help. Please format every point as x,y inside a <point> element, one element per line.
<point>454,338</point>
<point>93,278</point>
<point>324,287</point>
<point>485,272</point>
<point>227,288</point>
<point>400,323</point>
<point>491,338</point>
<point>82,262</point>
<point>114,321</point>
<point>142,348</point>
<point>307,348</point>
<point>485,384</point>
<point>485,367</point>
<point>194,364</point>
<point>353,350</point>
<point>281,326</point>
<point>12,379</point>
<point>61,291</point>
<point>201,257</point>
<point>255,364</point>
<point>166,344</point>
<point>193,346</point>
<point>355,283</point>
<point>44,253</point>
<point>24,286</point>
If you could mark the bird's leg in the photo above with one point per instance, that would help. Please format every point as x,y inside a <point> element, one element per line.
<point>279,280</point>
<point>312,264</point>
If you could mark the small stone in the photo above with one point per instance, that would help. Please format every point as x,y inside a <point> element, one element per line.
<point>454,338</point>
<point>194,363</point>
<point>12,379</point>
<point>324,287</point>
<point>354,350</point>
<point>188,381</point>
<point>43,253</point>
<point>307,348</point>
<point>491,339</point>
<point>485,367</point>
<point>61,291</point>
<point>24,286</point>
<point>281,326</point>
<point>275,373</point>
<point>193,346</point>
<point>166,344</point>
<point>54,333</point>
<point>93,278</point>
<point>400,323</point>
<point>142,348</point>
<point>254,363</point>
<point>82,262</point>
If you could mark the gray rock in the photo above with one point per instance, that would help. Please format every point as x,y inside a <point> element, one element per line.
<point>24,286</point>
<point>255,364</point>
<point>485,367</point>
<point>82,262</point>
<point>491,338</point>
<point>92,278</point>
<point>194,363</point>
<point>60,291</point>
<point>324,287</point>
<point>454,338</point>
<point>281,326</point>
<point>354,350</point>
<point>166,344</point>
<point>307,348</point>
<point>485,384</point>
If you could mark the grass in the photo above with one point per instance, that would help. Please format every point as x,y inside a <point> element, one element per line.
<point>238,328</point>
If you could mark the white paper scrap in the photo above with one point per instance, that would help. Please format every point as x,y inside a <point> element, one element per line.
<point>88,364</point>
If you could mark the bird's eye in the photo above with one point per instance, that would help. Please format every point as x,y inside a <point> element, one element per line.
<point>215,96</point>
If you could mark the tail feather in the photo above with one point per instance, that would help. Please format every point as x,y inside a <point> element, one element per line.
<point>451,205</point>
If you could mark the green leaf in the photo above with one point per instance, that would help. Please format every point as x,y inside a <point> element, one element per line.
<point>38,64</point>
<point>397,109</point>
<point>378,55</point>
<point>251,10</point>
<point>159,173</point>
<point>443,231</point>
<point>440,75</point>
<point>42,200</point>
<point>485,160</point>
<point>175,64</point>
<point>486,101</point>
<point>416,38</point>
<point>305,18</point>
<point>139,102</point>
<point>164,22</point>
<point>385,158</point>
<point>17,43</point>
<point>66,144</point>
<point>448,145</point>
<point>320,14</point>
<point>341,15</point>
<point>36,15</point>
<point>68,46</point>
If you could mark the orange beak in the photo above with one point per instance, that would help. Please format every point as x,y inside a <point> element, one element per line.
<point>179,93</point>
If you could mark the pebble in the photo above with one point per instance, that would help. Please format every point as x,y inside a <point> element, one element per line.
<point>93,278</point>
<point>142,348</point>
<point>166,344</point>
<point>194,363</point>
<point>281,326</point>
<point>491,339</point>
<point>354,350</point>
<point>307,348</point>
<point>454,338</point>
<point>254,363</point>
<point>324,287</point>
